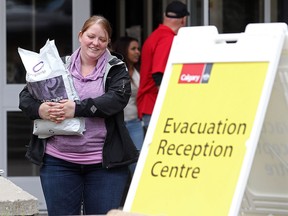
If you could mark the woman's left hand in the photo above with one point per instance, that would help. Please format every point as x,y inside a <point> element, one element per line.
<point>65,109</point>
<point>68,108</point>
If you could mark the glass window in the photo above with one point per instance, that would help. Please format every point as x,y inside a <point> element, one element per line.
<point>132,16</point>
<point>19,129</point>
<point>134,19</point>
<point>29,24</point>
<point>279,11</point>
<point>233,16</point>
<point>108,9</point>
<point>196,10</point>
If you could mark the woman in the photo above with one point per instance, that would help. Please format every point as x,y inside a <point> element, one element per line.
<point>91,169</point>
<point>128,47</point>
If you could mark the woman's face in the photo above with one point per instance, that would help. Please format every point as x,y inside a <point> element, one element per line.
<point>133,52</point>
<point>93,42</point>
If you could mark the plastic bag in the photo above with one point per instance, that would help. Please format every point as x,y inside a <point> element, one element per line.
<point>49,80</point>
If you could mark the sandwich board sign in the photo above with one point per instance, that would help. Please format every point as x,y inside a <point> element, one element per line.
<point>267,188</point>
<point>199,148</point>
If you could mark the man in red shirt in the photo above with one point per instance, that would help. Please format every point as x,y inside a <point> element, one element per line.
<point>154,56</point>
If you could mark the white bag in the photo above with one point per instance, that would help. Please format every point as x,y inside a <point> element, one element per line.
<point>49,80</point>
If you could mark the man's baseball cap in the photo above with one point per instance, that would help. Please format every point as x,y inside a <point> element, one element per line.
<point>176,9</point>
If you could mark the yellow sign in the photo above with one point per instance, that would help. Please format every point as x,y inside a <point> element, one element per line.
<point>198,146</point>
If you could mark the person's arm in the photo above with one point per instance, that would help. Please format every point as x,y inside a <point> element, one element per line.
<point>35,109</point>
<point>160,57</point>
<point>157,77</point>
<point>28,104</point>
<point>114,100</point>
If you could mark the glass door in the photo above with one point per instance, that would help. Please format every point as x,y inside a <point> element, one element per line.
<point>26,24</point>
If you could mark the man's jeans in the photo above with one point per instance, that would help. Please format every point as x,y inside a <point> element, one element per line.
<point>67,185</point>
<point>146,120</point>
<point>136,131</point>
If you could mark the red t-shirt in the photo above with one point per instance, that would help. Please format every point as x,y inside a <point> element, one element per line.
<point>154,56</point>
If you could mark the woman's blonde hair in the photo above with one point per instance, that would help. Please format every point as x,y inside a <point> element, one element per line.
<point>101,21</point>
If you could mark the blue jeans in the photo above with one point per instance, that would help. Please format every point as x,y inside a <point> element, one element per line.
<point>66,186</point>
<point>136,132</point>
<point>146,120</point>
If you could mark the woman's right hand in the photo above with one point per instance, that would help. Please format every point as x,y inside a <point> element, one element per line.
<point>51,111</point>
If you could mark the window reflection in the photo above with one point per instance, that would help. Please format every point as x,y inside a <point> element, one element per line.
<point>196,13</point>
<point>19,129</point>
<point>233,16</point>
<point>29,24</point>
<point>279,11</point>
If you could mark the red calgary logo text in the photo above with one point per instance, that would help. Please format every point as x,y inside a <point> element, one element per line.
<point>195,73</point>
<point>191,73</point>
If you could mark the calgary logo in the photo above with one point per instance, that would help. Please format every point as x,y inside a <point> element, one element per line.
<point>195,73</point>
<point>190,78</point>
